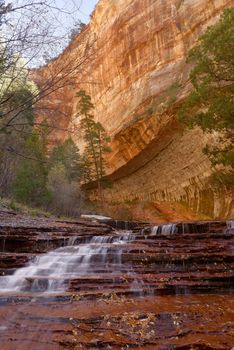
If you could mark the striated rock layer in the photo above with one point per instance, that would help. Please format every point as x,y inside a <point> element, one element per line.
<point>163,287</point>
<point>131,60</point>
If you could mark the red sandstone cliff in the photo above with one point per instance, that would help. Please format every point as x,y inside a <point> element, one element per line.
<point>131,60</point>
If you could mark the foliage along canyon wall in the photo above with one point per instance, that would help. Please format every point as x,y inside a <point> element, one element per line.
<point>131,60</point>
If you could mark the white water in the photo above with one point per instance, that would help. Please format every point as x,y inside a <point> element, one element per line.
<point>51,272</point>
<point>230,224</point>
<point>95,217</point>
<point>165,229</point>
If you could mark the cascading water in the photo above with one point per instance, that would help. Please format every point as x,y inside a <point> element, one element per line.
<point>118,290</point>
<point>230,226</point>
<point>52,272</point>
<point>165,229</point>
<point>99,255</point>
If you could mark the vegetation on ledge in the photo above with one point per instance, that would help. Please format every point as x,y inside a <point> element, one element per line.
<point>211,103</point>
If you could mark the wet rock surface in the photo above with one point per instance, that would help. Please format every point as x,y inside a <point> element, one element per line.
<point>86,286</point>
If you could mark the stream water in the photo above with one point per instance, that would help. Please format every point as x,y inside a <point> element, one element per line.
<point>98,256</point>
<point>151,289</point>
<point>51,272</point>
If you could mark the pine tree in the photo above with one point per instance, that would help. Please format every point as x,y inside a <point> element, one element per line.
<point>96,142</point>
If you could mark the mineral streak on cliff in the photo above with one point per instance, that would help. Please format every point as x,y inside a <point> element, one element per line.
<point>131,60</point>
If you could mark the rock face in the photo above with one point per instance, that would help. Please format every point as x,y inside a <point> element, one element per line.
<point>131,60</point>
<point>162,287</point>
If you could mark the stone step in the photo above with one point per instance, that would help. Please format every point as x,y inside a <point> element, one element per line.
<point>168,291</point>
<point>130,282</point>
<point>35,244</point>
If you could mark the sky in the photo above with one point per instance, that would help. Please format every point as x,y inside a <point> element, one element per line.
<point>70,13</point>
<point>58,22</point>
<point>83,7</point>
<point>86,8</point>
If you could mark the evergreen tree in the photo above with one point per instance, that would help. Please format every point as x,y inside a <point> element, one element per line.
<point>63,179</point>
<point>211,104</point>
<point>88,174</point>
<point>31,177</point>
<point>67,154</point>
<point>13,140</point>
<point>96,142</point>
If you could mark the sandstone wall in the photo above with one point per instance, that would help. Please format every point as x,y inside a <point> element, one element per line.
<point>132,63</point>
<point>179,174</point>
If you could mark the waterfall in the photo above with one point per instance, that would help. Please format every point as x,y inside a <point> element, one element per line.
<point>115,289</point>
<point>154,230</point>
<point>230,224</point>
<point>165,229</point>
<point>52,272</point>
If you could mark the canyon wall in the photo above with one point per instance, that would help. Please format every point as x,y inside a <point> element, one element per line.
<point>131,59</point>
